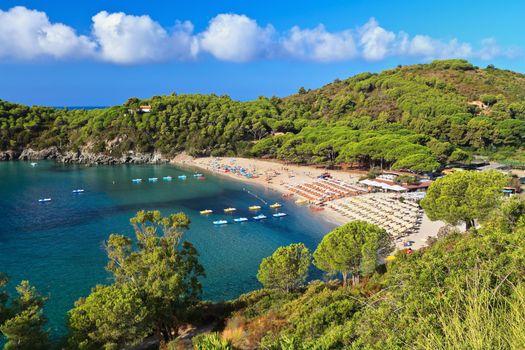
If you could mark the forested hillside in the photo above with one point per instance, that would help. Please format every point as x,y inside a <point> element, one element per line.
<point>415,117</point>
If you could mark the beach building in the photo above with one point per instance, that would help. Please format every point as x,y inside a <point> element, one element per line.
<point>396,181</point>
<point>385,185</point>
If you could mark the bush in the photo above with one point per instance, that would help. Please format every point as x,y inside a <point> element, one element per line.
<point>211,342</point>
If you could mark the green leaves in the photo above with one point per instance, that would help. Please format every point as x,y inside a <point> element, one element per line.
<point>464,196</point>
<point>109,317</point>
<point>24,321</point>
<point>419,162</point>
<point>286,269</point>
<point>155,284</point>
<point>355,248</point>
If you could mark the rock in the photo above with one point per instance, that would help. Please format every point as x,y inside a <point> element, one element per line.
<point>46,153</point>
<point>84,157</point>
<point>8,155</point>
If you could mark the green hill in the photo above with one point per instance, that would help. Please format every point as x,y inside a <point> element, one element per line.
<point>413,117</point>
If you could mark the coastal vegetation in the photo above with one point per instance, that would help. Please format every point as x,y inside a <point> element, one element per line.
<point>155,285</point>
<point>21,318</point>
<point>464,197</point>
<point>353,249</point>
<point>415,117</point>
<point>286,269</point>
<point>465,290</point>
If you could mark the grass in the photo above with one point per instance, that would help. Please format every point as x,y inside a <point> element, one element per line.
<point>480,318</point>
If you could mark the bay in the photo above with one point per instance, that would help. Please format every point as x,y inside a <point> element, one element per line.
<point>58,245</point>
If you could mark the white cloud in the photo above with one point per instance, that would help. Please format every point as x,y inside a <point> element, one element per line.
<point>236,38</point>
<point>134,39</point>
<point>429,48</point>
<point>319,45</point>
<point>125,39</point>
<point>489,49</point>
<point>376,42</point>
<point>28,34</point>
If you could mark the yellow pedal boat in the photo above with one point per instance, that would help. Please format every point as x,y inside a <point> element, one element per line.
<point>254,207</point>
<point>205,212</point>
<point>230,210</point>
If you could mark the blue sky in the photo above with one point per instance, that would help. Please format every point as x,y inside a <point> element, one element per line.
<point>101,52</point>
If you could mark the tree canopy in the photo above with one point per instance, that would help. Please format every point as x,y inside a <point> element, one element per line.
<point>286,269</point>
<point>355,248</point>
<point>156,283</point>
<point>23,321</point>
<point>464,196</point>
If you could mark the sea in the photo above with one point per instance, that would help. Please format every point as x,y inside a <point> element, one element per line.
<point>59,245</point>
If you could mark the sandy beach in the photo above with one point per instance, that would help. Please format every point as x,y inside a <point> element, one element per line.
<point>279,176</point>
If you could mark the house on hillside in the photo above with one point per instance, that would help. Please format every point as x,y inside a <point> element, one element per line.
<point>145,109</point>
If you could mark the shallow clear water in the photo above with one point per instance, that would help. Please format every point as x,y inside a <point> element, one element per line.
<point>57,245</point>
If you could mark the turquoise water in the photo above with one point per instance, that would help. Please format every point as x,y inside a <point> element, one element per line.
<point>58,245</point>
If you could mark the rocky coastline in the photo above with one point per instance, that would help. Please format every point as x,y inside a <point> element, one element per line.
<point>83,157</point>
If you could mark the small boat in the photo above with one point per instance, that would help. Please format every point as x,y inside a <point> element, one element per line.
<point>230,210</point>
<point>136,181</point>
<point>206,211</point>
<point>220,222</point>
<point>197,175</point>
<point>167,178</point>
<point>279,215</point>
<point>259,217</point>
<point>153,179</point>
<point>300,201</point>
<point>182,177</point>
<point>276,205</point>
<point>201,178</point>
<point>240,219</point>
<point>78,190</point>
<point>34,164</point>
<point>41,200</point>
<point>254,207</point>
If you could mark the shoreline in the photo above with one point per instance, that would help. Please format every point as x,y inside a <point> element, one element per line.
<point>277,183</point>
<point>278,176</point>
